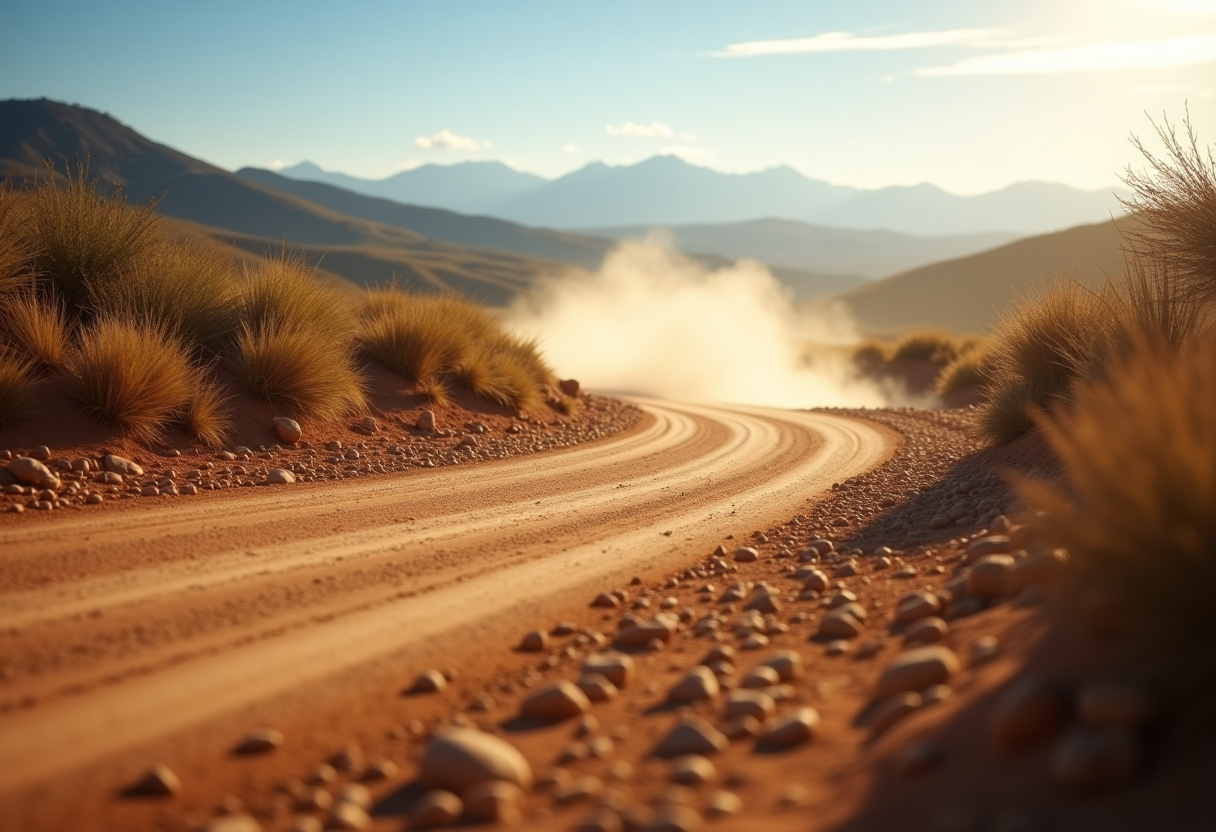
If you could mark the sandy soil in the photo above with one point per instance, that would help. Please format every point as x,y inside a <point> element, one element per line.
<point>156,632</point>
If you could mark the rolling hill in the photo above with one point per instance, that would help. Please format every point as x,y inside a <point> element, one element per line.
<point>965,295</point>
<point>665,190</point>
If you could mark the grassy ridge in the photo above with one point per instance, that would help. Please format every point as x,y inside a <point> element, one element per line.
<point>135,326</point>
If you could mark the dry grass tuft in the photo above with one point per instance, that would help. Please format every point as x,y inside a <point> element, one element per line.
<point>298,372</point>
<point>972,368</point>
<point>35,327</point>
<point>568,406</point>
<point>414,336</point>
<point>1136,516</point>
<point>17,248</point>
<point>926,345</point>
<point>1176,204</point>
<point>183,287</point>
<point>205,414</point>
<point>16,388</point>
<point>871,353</point>
<point>85,239</point>
<point>435,390</point>
<point>283,292</point>
<point>132,374</point>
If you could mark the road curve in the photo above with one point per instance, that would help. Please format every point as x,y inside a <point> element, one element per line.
<point>121,627</point>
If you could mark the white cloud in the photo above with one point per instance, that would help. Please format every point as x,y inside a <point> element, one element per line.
<point>572,150</point>
<point>654,130</point>
<point>1108,56</point>
<point>848,42</point>
<point>688,154</point>
<point>278,164</point>
<point>447,140</point>
<point>688,137</point>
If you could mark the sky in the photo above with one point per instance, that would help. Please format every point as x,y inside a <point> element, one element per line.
<point>968,96</point>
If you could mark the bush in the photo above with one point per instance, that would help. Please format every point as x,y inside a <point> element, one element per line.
<point>1175,202</point>
<point>871,353</point>
<point>17,249</point>
<point>132,374</point>
<point>35,327</point>
<point>972,368</point>
<point>416,337</point>
<point>297,371</point>
<point>1136,515</point>
<point>926,345</point>
<point>184,288</point>
<point>86,240</point>
<point>204,415</point>
<point>16,388</point>
<point>282,293</point>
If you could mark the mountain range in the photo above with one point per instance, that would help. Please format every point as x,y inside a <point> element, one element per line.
<point>665,190</point>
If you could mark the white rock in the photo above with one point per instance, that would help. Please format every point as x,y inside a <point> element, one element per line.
<point>29,470</point>
<point>119,465</point>
<point>279,476</point>
<point>288,429</point>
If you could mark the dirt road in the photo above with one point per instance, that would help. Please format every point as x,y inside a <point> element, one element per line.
<point>155,632</point>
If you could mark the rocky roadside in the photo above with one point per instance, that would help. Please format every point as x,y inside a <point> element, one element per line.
<point>39,479</point>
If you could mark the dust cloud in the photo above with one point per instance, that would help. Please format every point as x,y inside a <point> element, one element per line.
<point>653,322</point>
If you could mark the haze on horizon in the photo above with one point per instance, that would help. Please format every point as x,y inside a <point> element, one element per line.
<point>970,97</point>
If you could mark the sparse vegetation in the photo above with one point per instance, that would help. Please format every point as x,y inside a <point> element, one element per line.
<point>16,383</point>
<point>926,345</point>
<point>970,368</point>
<point>35,326</point>
<point>204,415</point>
<point>17,248</point>
<point>1139,451</point>
<point>871,353</point>
<point>283,293</point>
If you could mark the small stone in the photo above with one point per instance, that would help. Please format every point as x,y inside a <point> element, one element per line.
<point>460,758</point>
<point>754,642</point>
<point>1110,703</point>
<point>692,735</point>
<point>839,623</point>
<point>764,603</point>
<point>434,809</point>
<point>615,667</point>
<point>643,632</point>
<point>926,631</point>
<point>1027,710</point>
<point>892,710</point>
<point>597,687</point>
<point>304,823</point>
<point>367,426</point>
<point>674,817</point>
<point>917,605</point>
<point>357,794</point>
<point>380,770</point>
<point>984,648</point>
<point>692,770</point>
<point>467,441</point>
<point>1095,757</point>
<point>989,576</point>
<point>935,695</point>
<point>346,815</point>
<point>579,789</point>
<point>428,681</point>
<point>746,554</point>
<point>753,703</point>
<point>160,781</point>
<point>557,701</point>
<point>494,801</point>
<point>569,386</point>
<point>315,800</point>
<point>723,804</point>
<point>426,421</point>
<point>793,795</point>
<point>916,670</point>
<point>742,727</point>
<point>787,663</point>
<point>606,599</point>
<point>760,677</point>
<point>323,773</point>
<point>792,729</point>
<point>29,470</point>
<point>836,647</point>
<point>233,823</point>
<point>699,684</point>
<point>535,641</point>
<point>279,476</point>
<point>119,465</point>
<point>288,429</point>
<point>602,819</point>
<point>260,741</point>
<point>349,759</point>
<point>997,544</point>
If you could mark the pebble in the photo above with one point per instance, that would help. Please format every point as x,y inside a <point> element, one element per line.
<point>279,476</point>
<point>698,684</point>
<point>984,648</point>
<point>556,701</point>
<point>754,703</point>
<point>839,623</point>
<point>288,429</point>
<point>997,544</point>
<point>380,770</point>
<point>357,794</point>
<point>460,758</point>
<point>815,581</point>
<point>1026,711</point>
<point>535,641</point>
<point>159,781</point>
<point>792,729</point>
<point>42,453</point>
<point>232,823</point>
<point>1109,703</point>
<point>428,681</point>
<point>120,465</point>
<point>602,819</point>
<point>836,647</point>
<point>674,817</point>
<point>989,576</point>
<point>346,815</point>
<point>426,421</point>
<point>746,554</point>
<point>578,789</point>
<point>916,670</point>
<point>494,801</point>
<point>760,677</point>
<point>597,687</point>
<point>787,663</point>
<point>723,804</point>
<point>1089,757</point>
<point>917,605</point>
<point>349,759</point>
<point>692,770</point>
<point>315,800</point>
<point>435,808</point>
<point>892,710</point>
<point>926,631</point>
<point>754,641</point>
<point>692,735</point>
<point>643,632</point>
<point>29,470</point>
<point>261,741</point>
<point>304,823</point>
<point>935,694</point>
<point>764,603</point>
<point>617,668</point>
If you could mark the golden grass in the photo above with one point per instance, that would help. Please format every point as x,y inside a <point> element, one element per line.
<point>414,338</point>
<point>86,239</point>
<point>205,414</point>
<point>1136,515</point>
<point>1175,201</point>
<point>134,375</point>
<point>871,353</point>
<point>17,248</point>
<point>971,368</point>
<point>435,390</point>
<point>300,373</point>
<point>568,406</point>
<point>926,345</point>
<point>16,387</point>
<point>35,327</point>
<point>283,292</point>
<point>185,288</point>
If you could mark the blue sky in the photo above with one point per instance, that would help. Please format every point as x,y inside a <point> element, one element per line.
<point>970,96</point>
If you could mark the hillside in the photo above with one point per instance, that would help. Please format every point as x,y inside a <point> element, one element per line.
<point>665,190</point>
<point>966,294</point>
<point>798,245</point>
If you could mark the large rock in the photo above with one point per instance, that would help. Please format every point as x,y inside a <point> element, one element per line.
<point>279,476</point>
<point>288,429</point>
<point>916,670</point>
<point>120,465</point>
<point>560,700</point>
<point>33,472</point>
<point>460,758</point>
